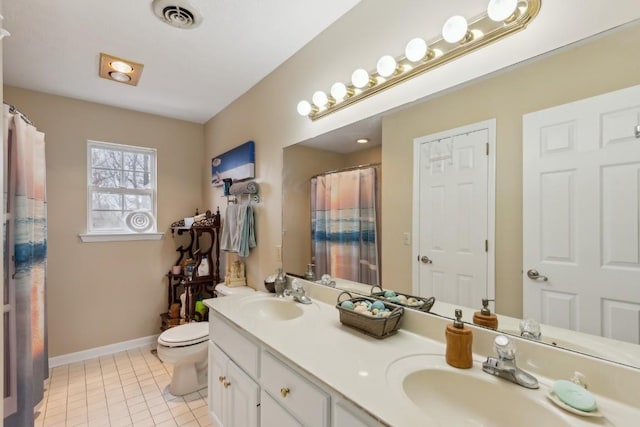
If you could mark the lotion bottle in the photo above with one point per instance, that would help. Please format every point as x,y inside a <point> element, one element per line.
<point>485,317</point>
<point>459,340</point>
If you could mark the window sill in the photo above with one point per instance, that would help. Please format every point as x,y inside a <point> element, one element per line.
<point>124,237</point>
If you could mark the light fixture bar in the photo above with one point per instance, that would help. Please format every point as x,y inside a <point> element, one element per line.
<point>481,31</point>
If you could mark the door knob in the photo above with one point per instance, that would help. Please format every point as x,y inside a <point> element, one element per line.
<point>533,274</point>
<point>284,391</point>
<point>424,259</point>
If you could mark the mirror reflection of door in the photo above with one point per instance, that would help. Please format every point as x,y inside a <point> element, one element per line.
<point>581,205</point>
<point>452,220</point>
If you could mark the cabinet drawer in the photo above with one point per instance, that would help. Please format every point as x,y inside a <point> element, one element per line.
<point>236,345</point>
<point>295,393</point>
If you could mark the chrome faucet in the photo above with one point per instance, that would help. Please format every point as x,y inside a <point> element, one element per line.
<point>530,329</point>
<point>504,366</point>
<point>327,281</point>
<point>298,293</point>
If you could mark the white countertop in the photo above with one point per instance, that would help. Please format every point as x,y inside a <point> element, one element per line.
<point>355,365</point>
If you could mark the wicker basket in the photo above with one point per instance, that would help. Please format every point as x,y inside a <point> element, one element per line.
<point>377,327</point>
<point>424,305</point>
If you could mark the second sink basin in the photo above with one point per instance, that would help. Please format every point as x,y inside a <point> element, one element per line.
<point>468,397</point>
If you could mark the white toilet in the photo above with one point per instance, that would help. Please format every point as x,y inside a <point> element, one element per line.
<point>185,347</point>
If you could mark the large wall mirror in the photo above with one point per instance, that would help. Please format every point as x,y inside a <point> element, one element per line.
<point>594,66</point>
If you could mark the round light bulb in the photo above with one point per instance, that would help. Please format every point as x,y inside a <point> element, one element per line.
<point>120,77</point>
<point>416,50</point>
<point>360,78</point>
<point>122,67</point>
<point>386,66</point>
<point>499,10</point>
<point>304,108</point>
<point>339,91</point>
<point>455,29</point>
<point>320,99</point>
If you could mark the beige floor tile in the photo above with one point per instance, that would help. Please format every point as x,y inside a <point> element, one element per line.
<point>162,416</point>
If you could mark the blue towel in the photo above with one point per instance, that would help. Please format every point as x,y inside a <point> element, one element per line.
<point>238,235</point>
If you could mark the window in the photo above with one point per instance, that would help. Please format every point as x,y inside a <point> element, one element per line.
<point>121,197</point>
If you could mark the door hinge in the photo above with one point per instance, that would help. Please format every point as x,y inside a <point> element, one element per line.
<point>486,246</point>
<point>487,145</point>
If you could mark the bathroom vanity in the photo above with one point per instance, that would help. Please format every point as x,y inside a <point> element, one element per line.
<point>273,361</point>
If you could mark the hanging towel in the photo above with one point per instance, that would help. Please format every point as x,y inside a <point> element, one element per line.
<point>229,229</point>
<point>247,238</point>
<point>238,235</point>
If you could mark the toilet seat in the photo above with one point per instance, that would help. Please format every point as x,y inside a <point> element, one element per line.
<point>185,335</point>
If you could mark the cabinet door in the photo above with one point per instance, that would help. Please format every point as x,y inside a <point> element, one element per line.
<point>272,414</point>
<point>346,414</point>
<point>243,396</point>
<point>217,375</point>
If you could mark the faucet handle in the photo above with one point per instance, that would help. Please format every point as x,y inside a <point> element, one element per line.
<point>530,328</point>
<point>504,347</point>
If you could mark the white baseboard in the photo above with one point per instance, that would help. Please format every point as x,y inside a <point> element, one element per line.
<point>92,353</point>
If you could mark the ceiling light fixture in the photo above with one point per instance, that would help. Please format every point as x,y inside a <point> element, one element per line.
<point>362,140</point>
<point>459,37</point>
<point>119,70</point>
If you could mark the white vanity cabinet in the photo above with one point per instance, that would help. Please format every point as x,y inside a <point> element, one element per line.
<point>234,397</point>
<point>251,386</point>
<point>234,393</point>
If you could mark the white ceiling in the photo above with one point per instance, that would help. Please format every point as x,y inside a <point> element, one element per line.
<point>188,74</point>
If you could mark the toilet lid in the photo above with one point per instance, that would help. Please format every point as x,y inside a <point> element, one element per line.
<point>184,335</point>
<point>225,290</point>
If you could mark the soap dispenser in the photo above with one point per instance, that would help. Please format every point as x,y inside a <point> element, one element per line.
<point>459,339</point>
<point>485,317</point>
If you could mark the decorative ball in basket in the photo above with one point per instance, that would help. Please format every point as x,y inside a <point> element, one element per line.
<point>370,316</point>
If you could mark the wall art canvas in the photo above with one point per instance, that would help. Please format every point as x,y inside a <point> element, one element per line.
<point>237,164</point>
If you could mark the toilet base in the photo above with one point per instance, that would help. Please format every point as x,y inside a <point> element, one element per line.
<point>188,378</point>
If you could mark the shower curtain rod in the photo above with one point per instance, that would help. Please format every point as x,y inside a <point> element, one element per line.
<point>350,168</point>
<point>14,110</point>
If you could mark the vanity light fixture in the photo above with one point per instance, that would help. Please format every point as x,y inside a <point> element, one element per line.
<point>459,37</point>
<point>119,70</point>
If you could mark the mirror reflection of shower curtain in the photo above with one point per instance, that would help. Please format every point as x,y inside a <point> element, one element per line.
<point>25,242</point>
<point>344,238</point>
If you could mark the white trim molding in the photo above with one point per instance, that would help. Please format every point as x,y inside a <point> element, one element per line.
<point>92,353</point>
<point>90,238</point>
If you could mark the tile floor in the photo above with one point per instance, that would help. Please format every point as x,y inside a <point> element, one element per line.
<point>130,388</point>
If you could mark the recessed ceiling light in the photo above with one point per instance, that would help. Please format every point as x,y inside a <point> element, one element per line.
<point>119,70</point>
<point>121,77</point>
<point>362,140</point>
<point>121,66</point>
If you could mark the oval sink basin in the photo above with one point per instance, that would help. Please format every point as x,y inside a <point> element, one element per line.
<point>272,308</point>
<point>468,397</point>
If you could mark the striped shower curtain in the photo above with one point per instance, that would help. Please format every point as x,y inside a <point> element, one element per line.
<point>344,226</point>
<point>25,250</point>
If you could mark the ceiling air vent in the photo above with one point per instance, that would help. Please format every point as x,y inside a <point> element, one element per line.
<point>177,13</point>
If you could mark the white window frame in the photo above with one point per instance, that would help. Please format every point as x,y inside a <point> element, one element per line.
<point>121,235</point>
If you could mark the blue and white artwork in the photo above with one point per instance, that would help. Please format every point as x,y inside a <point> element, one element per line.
<point>237,164</point>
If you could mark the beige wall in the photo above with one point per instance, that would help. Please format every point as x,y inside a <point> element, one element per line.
<point>104,293</point>
<point>561,78</point>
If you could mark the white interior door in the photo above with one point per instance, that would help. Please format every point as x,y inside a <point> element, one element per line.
<point>581,215</point>
<point>452,214</point>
